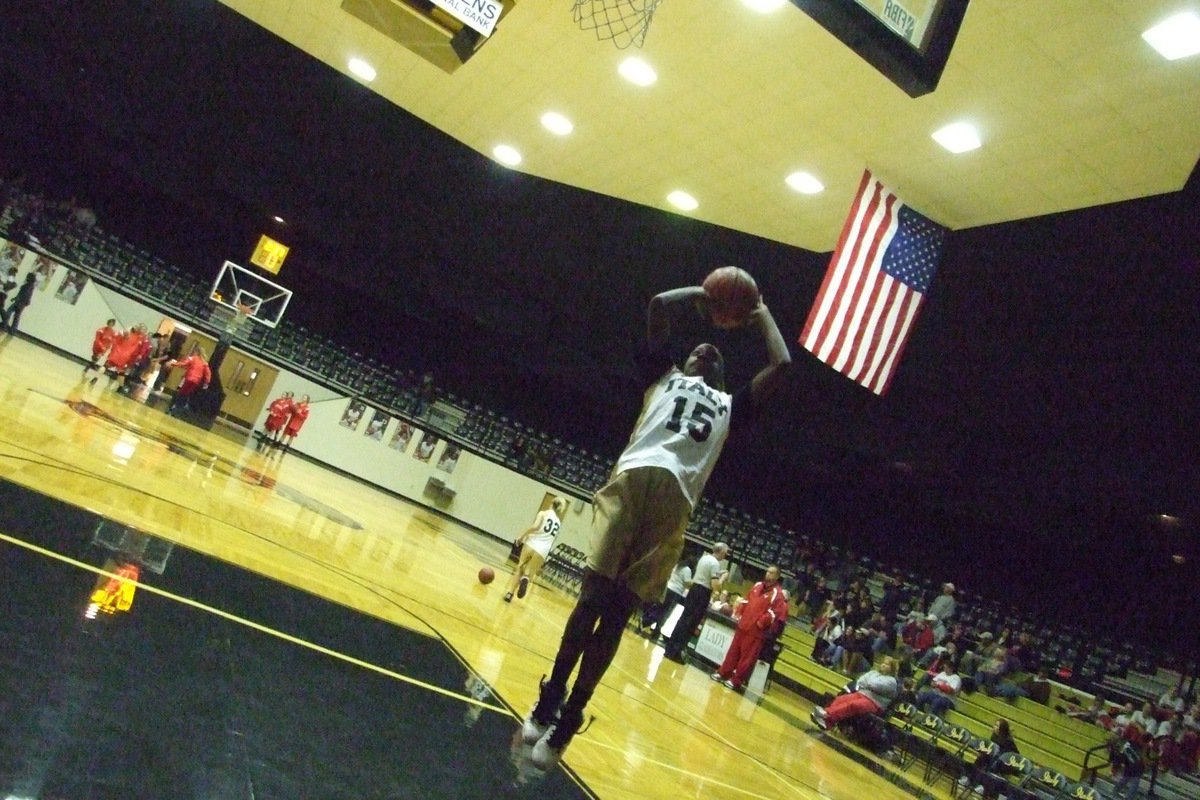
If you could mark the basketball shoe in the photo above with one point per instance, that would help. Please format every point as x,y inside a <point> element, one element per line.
<point>549,749</point>
<point>543,715</point>
<point>523,587</point>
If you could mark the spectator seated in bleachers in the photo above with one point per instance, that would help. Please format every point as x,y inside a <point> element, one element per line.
<point>1189,740</point>
<point>975,657</point>
<point>1143,725</point>
<point>1092,712</point>
<point>873,692</point>
<point>987,774</point>
<point>892,598</point>
<point>995,669</point>
<point>943,687</point>
<point>828,629</point>
<point>1171,701</point>
<point>1026,653</point>
<point>814,599</point>
<point>852,654</point>
<point>936,657</point>
<point>860,609</point>
<point>879,635</point>
<point>1122,718</point>
<point>917,633</point>
<point>944,605</point>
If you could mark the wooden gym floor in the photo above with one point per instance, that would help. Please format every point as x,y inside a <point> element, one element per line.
<point>311,636</point>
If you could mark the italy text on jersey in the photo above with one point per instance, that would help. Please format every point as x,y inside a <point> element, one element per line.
<point>695,409</point>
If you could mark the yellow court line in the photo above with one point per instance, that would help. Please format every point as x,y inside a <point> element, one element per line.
<point>256,626</point>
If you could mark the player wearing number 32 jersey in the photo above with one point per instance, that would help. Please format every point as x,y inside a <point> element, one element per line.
<point>639,516</point>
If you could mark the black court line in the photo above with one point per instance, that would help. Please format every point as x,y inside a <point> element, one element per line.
<point>167,701</point>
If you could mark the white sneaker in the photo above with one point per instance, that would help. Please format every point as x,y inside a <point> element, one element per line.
<point>716,676</point>
<point>549,749</point>
<point>964,780</point>
<point>531,731</point>
<point>545,757</point>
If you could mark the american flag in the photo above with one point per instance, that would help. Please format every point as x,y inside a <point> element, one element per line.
<point>877,279</point>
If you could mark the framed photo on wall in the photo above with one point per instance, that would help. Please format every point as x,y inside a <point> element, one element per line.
<point>426,446</point>
<point>379,421</point>
<point>353,414</point>
<point>71,287</point>
<point>402,436</point>
<point>449,459</point>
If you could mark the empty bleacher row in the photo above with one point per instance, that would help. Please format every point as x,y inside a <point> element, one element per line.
<point>1072,655</point>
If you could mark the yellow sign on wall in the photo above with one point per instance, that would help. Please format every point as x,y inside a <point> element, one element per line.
<point>269,254</point>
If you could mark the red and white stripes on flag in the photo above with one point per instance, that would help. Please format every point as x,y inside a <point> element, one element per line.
<point>877,279</point>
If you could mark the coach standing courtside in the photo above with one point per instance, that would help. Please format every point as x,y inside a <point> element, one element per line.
<point>708,579</point>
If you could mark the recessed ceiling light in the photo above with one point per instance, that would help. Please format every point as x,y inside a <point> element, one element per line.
<point>636,71</point>
<point>804,183</point>
<point>556,123</point>
<point>763,6</point>
<point>362,69</point>
<point>1176,37</point>
<point>278,219</point>
<point>958,137</point>
<point>506,155</point>
<point>682,200</point>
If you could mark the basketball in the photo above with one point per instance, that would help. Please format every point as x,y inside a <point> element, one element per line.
<point>486,575</point>
<point>731,294</point>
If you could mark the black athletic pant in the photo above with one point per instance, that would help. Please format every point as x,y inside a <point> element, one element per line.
<point>592,635</point>
<point>694,607</point>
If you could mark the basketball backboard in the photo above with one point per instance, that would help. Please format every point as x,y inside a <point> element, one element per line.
<point>240,290</point>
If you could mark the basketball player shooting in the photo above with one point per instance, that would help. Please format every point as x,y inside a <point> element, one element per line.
<point>639,517</point>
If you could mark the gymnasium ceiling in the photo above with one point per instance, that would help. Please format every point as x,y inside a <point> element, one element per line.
<point>1074,108</point>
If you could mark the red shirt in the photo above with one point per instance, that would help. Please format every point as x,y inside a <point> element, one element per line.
<point>299,414</point>
<point>103,340</point>
<point>195,370</point>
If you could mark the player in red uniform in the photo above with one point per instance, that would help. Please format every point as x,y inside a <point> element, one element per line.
<point>277,416</point>
<point>126,349</point>
<point>196,375</point>
<point>101,342</point>
<point>298,415</point>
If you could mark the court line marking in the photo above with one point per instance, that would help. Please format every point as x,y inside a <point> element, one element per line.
<point>287,637</point>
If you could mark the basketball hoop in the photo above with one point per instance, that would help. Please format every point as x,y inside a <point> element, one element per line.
<point>623,21</point>
<point>232,320</point>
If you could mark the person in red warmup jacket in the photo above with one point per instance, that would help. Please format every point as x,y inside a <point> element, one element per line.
<point>101,342</point>
<point>196,375</point>
<point>764,611</point>
<point>299,413</point>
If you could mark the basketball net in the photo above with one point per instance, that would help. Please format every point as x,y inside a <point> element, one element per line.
<point>623,21</point>
<point>232,321</point>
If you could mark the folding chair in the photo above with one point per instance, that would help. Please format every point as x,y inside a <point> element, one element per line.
<point>947,757</point>
<point>901,721</point>
<point>1081,791</point>
<point>1045,783</point>
<point>926,728</point>
<point>1014,770</point>
<point>979,751</point>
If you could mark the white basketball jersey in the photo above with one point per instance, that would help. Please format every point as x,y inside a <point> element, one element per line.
<point>683,426</point>
<point>542,539</point>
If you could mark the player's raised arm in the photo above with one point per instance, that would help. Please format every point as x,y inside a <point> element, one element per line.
<point>663,307</point>
<point>778,355</point>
